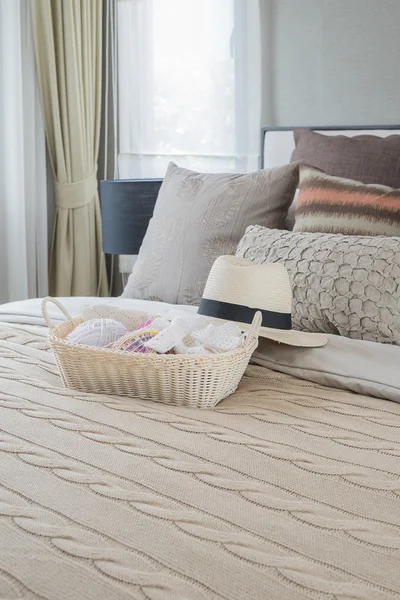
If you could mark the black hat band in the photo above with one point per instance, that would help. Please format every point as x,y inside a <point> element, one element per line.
<point>244,314</point>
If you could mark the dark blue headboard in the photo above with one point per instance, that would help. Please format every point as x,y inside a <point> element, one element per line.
<point>127,206</point>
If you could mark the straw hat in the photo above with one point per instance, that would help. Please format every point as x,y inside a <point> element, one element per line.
<point>237,288</point>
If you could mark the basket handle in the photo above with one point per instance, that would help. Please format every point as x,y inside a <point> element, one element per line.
<point>59,305</point>
<point>254,330</point>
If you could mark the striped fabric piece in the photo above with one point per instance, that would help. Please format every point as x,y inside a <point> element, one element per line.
<point>328,204</point>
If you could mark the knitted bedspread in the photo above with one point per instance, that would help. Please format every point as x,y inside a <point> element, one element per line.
<point>287,490</point>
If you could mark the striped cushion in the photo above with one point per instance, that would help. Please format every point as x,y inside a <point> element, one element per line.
<point>328,204</point>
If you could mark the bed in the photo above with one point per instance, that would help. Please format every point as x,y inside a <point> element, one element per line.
<point>288,490</point>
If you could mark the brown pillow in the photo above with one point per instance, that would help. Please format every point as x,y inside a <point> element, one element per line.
<point>366,158</point>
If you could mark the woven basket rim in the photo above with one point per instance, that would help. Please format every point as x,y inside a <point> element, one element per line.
<point>207,358</point>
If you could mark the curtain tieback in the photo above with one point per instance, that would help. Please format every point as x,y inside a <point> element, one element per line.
<point>76,195</point>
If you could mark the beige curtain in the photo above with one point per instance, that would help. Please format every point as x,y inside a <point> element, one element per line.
<point>108,152</point>
<point>68,47</point>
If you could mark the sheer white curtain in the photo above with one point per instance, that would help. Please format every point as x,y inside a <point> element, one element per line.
<point>189,87</point>
<point>23,205</point>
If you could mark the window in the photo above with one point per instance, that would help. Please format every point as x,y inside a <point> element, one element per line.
<point>189,85</point>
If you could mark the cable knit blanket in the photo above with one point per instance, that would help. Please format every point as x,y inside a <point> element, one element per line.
<point>286,491</point>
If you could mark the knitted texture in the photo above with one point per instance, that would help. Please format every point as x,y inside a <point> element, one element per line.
<point>286,491</point>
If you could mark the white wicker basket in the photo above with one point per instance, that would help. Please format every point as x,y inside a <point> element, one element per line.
<point>196,381</point>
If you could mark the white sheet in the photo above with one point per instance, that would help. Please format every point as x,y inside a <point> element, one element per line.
<point>363,367</point>
<point>29,312</point>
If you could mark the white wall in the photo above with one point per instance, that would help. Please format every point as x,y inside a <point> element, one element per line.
<point>331,62</point>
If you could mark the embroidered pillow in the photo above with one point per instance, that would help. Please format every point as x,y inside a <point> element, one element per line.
<point>346,285</point>
<point>328,204</point>
<point>199,217</point>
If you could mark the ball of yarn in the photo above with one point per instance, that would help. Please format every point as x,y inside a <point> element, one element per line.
<point>134,341</point>
<point>97,332</point>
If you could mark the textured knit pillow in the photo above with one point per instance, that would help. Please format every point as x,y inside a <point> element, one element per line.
<point>197,218</point>
<point>366,158</point>
<point>328,204</point>
<point>348,285</point>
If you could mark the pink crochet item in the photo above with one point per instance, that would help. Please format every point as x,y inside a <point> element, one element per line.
<point>145,325</point>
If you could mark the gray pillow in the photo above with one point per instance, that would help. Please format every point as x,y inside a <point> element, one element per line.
<point>358,366</point>
<point>346,285</point>
<point>199,217</point>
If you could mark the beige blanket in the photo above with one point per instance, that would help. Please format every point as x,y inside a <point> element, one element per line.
<point>287,490</point>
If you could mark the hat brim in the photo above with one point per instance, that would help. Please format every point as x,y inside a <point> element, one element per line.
<point>294,338</point>
<point>290,337</point>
